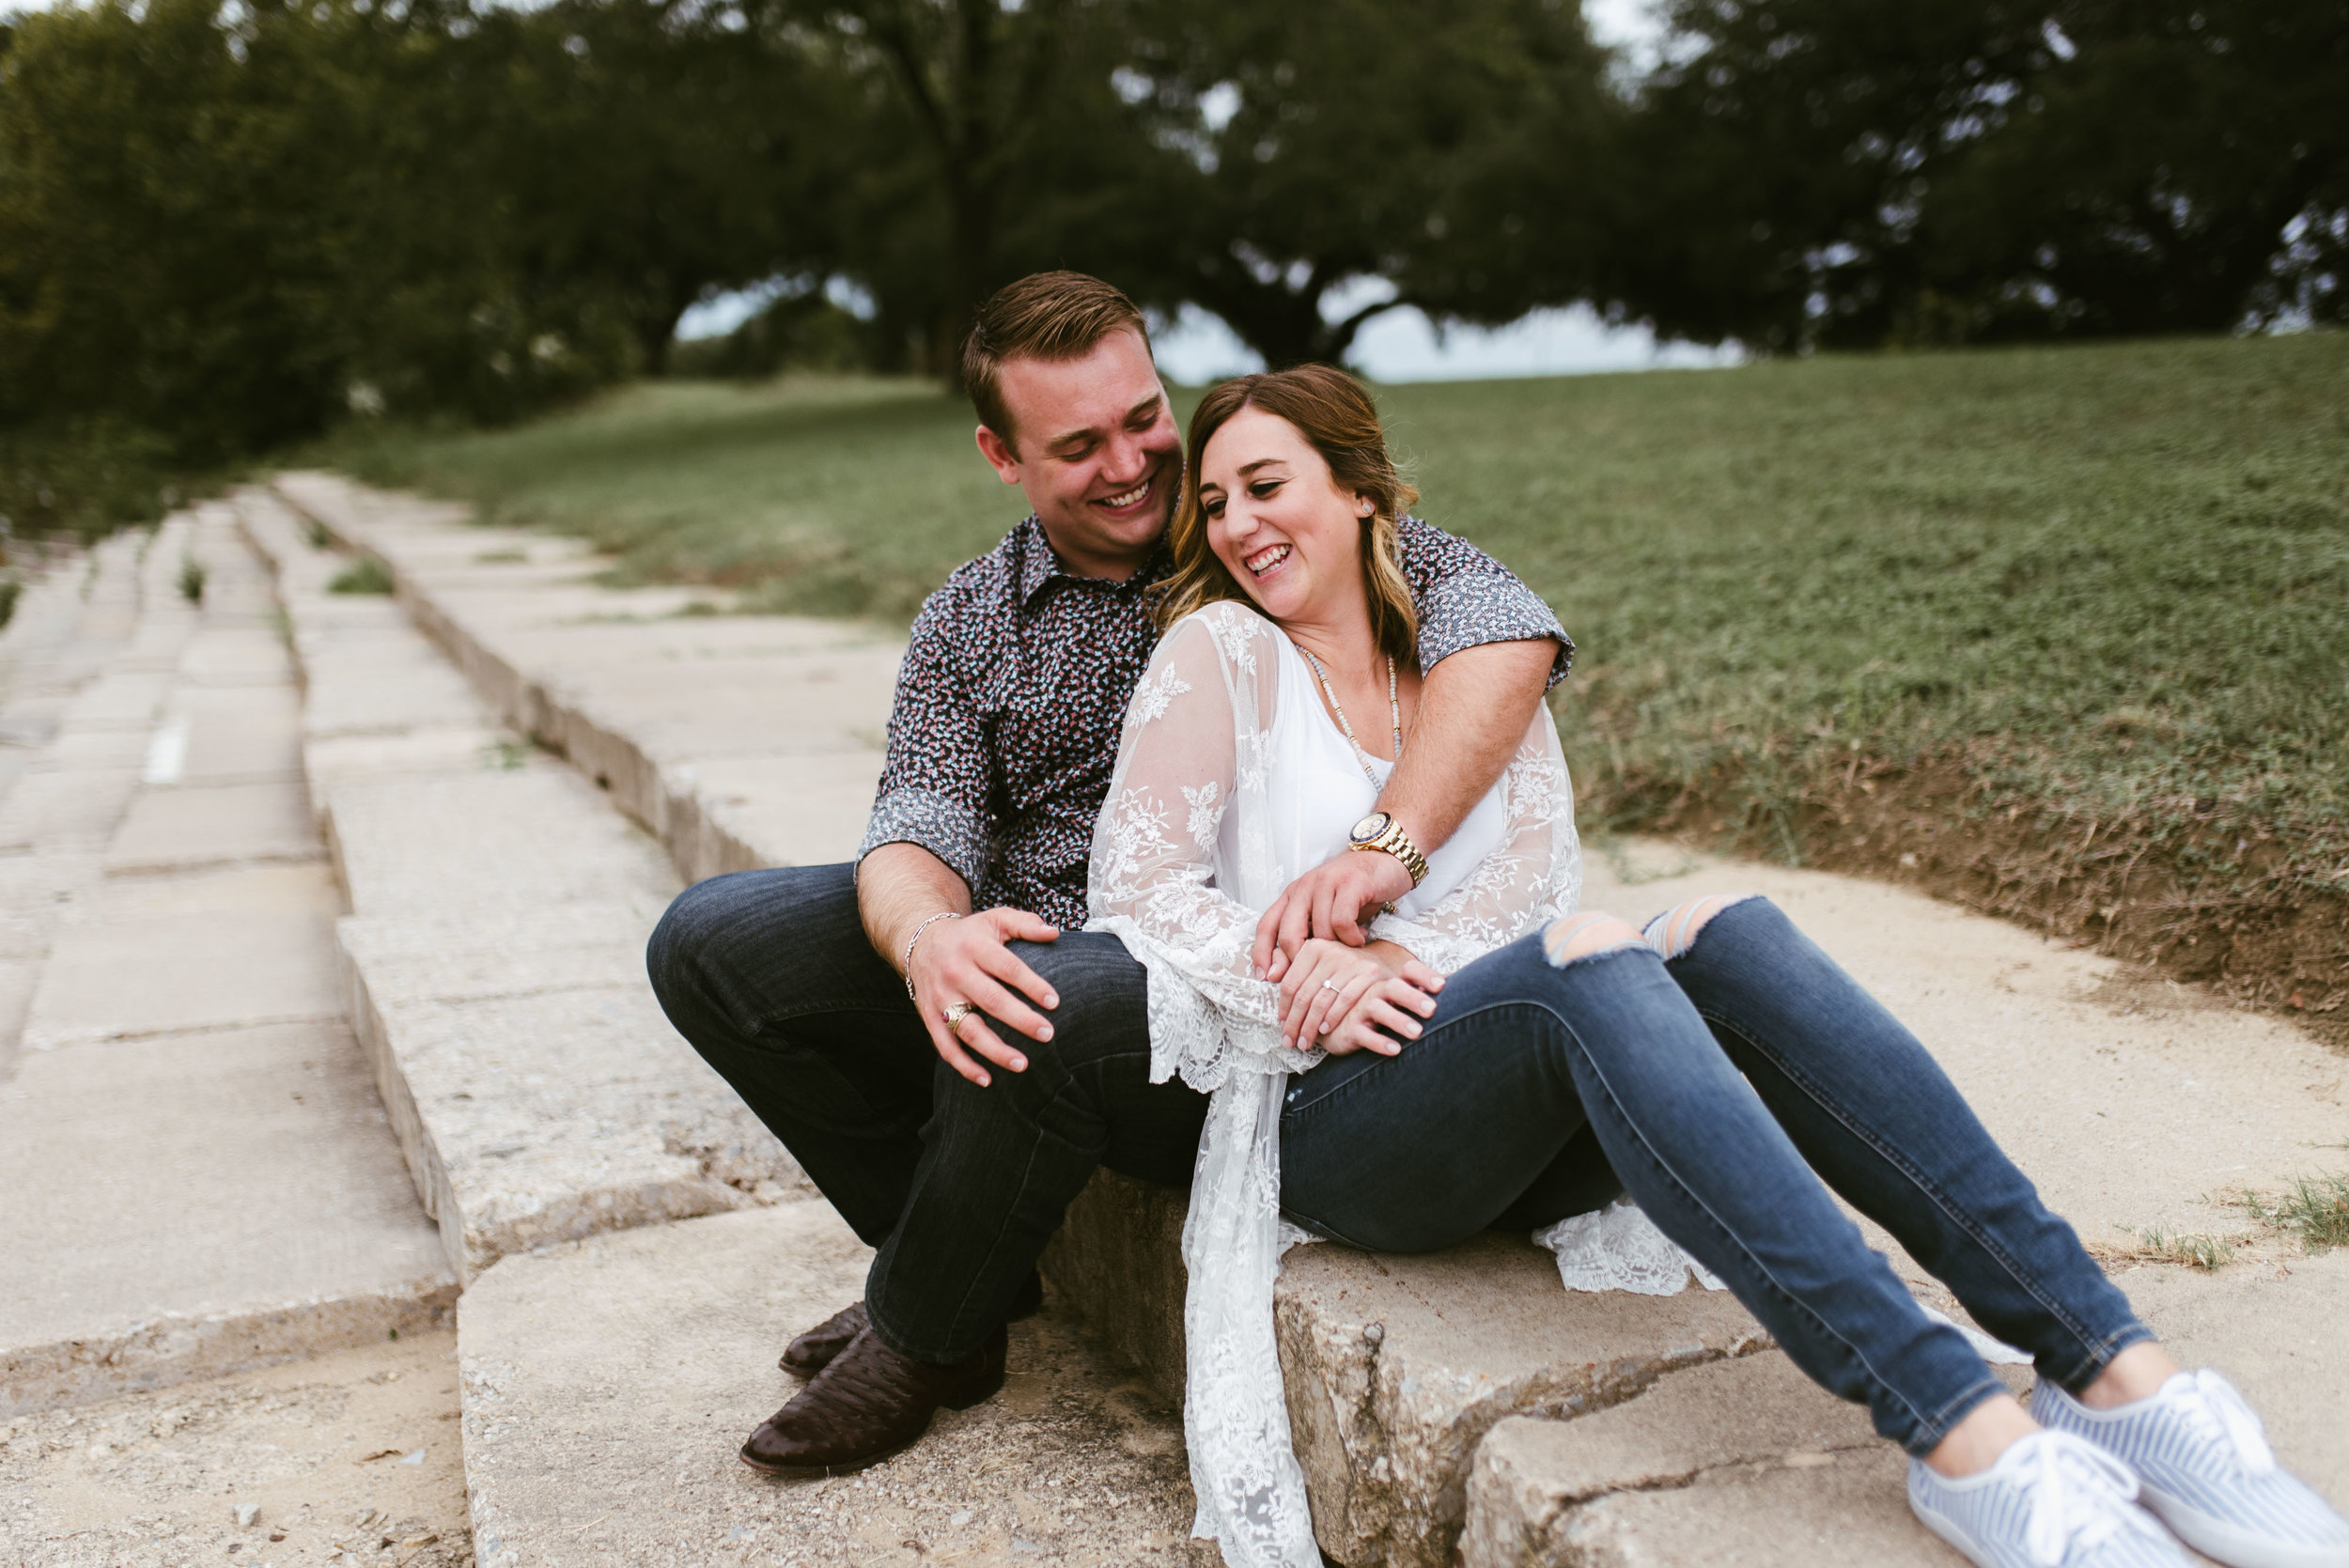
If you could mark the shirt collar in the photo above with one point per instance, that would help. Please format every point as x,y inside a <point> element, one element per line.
<point>1038,565</point>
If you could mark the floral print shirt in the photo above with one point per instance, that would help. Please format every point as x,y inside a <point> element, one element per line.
<point>1014,691</point>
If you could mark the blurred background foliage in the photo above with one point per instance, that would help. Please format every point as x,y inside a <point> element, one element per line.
<point>228,225</point>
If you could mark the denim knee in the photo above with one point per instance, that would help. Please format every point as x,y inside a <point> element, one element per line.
<point>1104,1000</point>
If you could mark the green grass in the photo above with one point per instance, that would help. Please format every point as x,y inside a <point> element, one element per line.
<point>366,575</point>
<point>2107,585</point>
<point>2314,1208</point>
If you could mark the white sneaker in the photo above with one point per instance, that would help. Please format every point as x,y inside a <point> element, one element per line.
<point>2203,1466</point>
<point>2050,1501</point>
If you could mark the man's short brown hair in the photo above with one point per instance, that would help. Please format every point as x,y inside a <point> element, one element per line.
<point>1046,315</point>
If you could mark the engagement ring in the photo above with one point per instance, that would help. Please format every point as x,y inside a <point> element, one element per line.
<point>1331,986</point>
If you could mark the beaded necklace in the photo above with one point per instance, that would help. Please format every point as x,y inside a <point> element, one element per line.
<point>1394,714</point>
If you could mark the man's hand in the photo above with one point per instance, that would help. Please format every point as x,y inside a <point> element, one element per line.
<point>1337,996</point>
<point>964,959</point>
<point>1336,900</point>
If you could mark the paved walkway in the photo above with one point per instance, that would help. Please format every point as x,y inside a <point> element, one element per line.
<point>196,1177</point>
<point>279,926</point>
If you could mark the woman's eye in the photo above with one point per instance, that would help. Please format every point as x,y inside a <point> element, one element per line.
<point>1263,487</point>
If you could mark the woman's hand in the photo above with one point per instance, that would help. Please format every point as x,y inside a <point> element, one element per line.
<point>1331,987</point>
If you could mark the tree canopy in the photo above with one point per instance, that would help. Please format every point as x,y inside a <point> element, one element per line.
<point>226,227</point>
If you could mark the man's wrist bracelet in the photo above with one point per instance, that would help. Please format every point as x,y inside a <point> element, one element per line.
<point>908,964</point>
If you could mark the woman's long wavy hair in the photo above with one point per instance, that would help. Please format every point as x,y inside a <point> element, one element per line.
<point>1338,420</point>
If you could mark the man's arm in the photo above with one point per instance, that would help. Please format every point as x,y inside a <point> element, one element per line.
<point>1472,715</point>
<point>1488,649</point>
<point>928,841</point>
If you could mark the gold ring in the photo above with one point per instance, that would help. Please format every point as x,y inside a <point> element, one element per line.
<point>956,1012</point>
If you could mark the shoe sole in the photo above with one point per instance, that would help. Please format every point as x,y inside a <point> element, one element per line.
<point>1948,1530</point>
<point>2224,1542</point>
<point>816,1472</point>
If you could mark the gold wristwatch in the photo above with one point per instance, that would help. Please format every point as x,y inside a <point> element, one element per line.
<point>1379,831</point>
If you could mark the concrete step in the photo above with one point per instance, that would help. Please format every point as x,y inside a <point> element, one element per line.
<point>194,1171</point>
<point>492,964</point>
<point>1748,1462</point>
<point>607,1381</point>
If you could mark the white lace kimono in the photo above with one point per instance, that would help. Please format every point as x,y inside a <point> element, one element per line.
<point>1230,782</point>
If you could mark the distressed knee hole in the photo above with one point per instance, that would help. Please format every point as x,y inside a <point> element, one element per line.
<point>1583,935</point>
<point>1672,932</point>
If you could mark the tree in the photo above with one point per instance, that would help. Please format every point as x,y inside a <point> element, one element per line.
<point>987,141</point>
<point>1850,173</point>
<point>656,151</point>
<point>1331,140</point>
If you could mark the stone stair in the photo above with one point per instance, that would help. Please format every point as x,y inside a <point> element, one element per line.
<point>195,1175</point>
<point>1453,1407</point>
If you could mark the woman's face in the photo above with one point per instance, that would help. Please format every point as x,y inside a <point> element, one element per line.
<point>1277,519</point>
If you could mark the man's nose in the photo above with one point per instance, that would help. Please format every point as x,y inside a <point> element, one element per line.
<point>1125,460</point>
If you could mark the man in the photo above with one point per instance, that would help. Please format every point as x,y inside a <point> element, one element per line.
<point>944,1054</point>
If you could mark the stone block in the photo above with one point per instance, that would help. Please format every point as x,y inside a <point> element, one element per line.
<point>414,845</point>
<point>608,1382</point>
<point>551,1115</point>
<point>216,950</point>
<point>236,656</point>
<point>739,813</point>
<point>1395,1367</point>
<point>334,761</point>
<point>192,1203</point>
<point>129,700</point>
<point>67,809</point>
<point>246,733</point>
<point>189,825</point>
<point>1533,1480</point>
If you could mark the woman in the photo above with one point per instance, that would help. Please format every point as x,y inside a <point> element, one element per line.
<point>1493,1056</point>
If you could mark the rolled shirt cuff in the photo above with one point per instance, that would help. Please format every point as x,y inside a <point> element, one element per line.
<point>1468,611</point>
<point>939,822</point>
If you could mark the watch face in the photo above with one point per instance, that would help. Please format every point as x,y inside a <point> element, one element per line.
<point>1369,827</point>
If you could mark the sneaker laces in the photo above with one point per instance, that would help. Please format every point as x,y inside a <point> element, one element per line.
<point>2078,1495</point>
<point>2211,1405</point>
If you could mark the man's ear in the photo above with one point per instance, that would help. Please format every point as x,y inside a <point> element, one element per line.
<point>998,452</point>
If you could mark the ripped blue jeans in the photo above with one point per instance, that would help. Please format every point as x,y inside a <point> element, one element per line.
<point>1720,1088</point>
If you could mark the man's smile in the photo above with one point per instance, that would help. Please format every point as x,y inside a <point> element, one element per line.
<point>1127,499</point>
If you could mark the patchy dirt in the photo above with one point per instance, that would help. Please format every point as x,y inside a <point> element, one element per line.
<point>2201,896</point>
<point>352,1459</point>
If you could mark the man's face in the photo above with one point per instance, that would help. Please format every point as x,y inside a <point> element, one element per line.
<point>1097,453</point>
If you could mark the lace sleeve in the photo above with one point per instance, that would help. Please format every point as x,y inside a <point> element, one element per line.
<point>1192,744</point>
<point>1533,877</point>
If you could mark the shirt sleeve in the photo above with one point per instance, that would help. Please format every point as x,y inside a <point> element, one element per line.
<point>1467,599</point>
<point>934,781</point>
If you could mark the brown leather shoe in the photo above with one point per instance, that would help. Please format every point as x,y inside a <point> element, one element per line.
<point>812,1351</point>
<point>870,1403</point>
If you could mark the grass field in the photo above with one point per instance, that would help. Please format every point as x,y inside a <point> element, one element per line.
<point>2062,632</point>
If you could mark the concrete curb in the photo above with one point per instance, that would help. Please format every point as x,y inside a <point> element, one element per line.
<point>178,1347</point>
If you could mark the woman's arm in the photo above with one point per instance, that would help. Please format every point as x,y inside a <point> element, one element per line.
<point>1179,764</point>
<point>1533,876</point>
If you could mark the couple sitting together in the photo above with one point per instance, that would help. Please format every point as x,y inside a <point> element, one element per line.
<point>1224,839</point>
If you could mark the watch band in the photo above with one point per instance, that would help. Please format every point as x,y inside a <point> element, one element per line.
<point>1394,841</point>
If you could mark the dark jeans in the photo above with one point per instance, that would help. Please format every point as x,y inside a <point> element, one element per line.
<point>1533,1090</point>
<point>1722,1087</point>
<point>768,974</point>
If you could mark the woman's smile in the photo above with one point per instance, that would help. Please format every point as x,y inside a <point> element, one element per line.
<point>1263,560</point>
